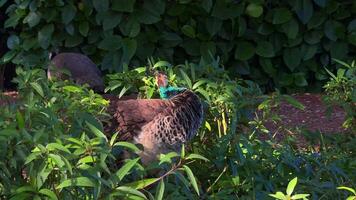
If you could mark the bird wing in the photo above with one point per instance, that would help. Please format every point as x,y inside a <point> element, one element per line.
<point>131,115</point>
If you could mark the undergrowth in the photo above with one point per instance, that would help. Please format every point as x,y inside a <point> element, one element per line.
<point>53,146</point>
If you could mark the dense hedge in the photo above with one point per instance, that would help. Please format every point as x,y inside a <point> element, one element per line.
<point>287,42</point>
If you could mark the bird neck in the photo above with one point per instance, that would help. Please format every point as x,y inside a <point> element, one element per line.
<point>169,91</point>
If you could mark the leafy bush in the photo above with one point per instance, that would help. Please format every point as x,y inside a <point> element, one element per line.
<point>53,147</point>
<point>341,91</point>
<point>286,42</point>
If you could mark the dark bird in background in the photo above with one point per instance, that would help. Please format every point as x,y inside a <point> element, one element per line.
<point>159,125</point>
<point>78,67</point>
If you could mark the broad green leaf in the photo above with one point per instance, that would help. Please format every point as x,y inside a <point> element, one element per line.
<point>130,190</point>
<point>348,189</point>
<point>122,172</point>
<point>142,183</point>
<point>13,41</point>
<point>188,31</point>
<point>56,146</point>
<point>198,84</point>
<point>84,28</point>
<point>25,188</point>
<point>48,193</point>
<point>334,30</point>
<point>186,78</point>
<point>111,20</point>
<point>244,50</point>
<point>102,5</point>
<point>129,49</point>
<point>8,56</point>
<point>111,43</point>
<point>281,15</point>
<point>191,178</point>
<point>309,51</point>
<point>2,2</point>
<point>317,20</point>
<point>254,10</point>
<point>291,28</point>
<point>196,156</point>
<point>265,49</point>
<point>44,35</point>
<point>79,181</point>
<point>68,13</point>
<point>291,186</point>
<point>96,131</point>
<point>128,145</point>
<point>37,87</point>
<point>32,19</point>
<point>20,120</point>
<point>213,25</point>
<point>299,79</point>
<point>57,159</point>
<point>86,159</point>
<point>130,27</point>
<point>300,196</point>
<point>294,102</point>
<point>160,190</point>
<point>123,5</point>
<point>305,10</point>
<point>292,57</point>
<point>160,64</point>
<point>278,195</point>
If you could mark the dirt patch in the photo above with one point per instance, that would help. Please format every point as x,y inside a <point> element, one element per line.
<point>313,118</point>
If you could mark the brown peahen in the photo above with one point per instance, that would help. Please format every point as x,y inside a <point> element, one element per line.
<point>160,125</point>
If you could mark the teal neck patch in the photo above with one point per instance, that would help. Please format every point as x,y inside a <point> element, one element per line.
<point>168,92</point>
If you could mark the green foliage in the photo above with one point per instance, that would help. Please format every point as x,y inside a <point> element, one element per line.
<point>341,91</point>
<point>353,196</point>
<point>287,42</point>
<point>289,191</point>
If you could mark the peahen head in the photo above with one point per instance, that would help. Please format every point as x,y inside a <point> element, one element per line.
<point>166,91</point>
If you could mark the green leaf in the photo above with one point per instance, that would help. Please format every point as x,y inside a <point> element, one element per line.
<point>128,145</point>
<point>321,3</point>
<point>265,49</point>
<point>142,183</point>
<point>48,193</point>
<point>292,57</point>
<point>122,172</point>
<point>131,27</point>
<point>317,20</point>
<point>299,80</point>
<point>123,5</point>
<point>32,19</point>
<point>196,156</point>
<point>13,41</point>
<point>291,28</point>
<point>278,195</point>
<point>57,159</point>
<point>96,131</point>
<point>334,30</point>
<point>8,56</point>
<point>291,186</point>
<point>294,102</point>
<point>309,51</point>
<point>20,120</point>
<point>56,146</point>
<point>2,2</point>
<point>84,28</point>
<point>213,25</point>
<point>25,188</point>
<point>160,190</point>
<point>347,188</point>
<point>68,13</point>
<point>188,31</point>
<point>102,5</point>
<point>130,190</point>
<point>304,9</point>
<point>191,178</point>
<point>186,78</point>
<point>111,43</point>
<point>44,35</point>
<point>79,181</point>
<point>111,20</point>
<point>129,49</point>
<point>244,50</point>
<point>37,87</point>
<point>254,10</point>
<point>281,15</point>
<point>73,40</point>
<point>207,4</point>
<point>300,196</point>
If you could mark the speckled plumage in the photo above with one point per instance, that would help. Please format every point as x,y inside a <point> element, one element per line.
<point>159,125</point>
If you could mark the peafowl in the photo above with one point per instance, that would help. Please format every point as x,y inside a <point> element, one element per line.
<point>81,69</point>
<point>159,125</point>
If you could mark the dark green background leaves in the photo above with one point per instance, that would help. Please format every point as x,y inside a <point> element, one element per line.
<point>297,36</point>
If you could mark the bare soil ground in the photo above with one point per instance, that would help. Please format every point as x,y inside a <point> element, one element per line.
<point>313,118</point>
